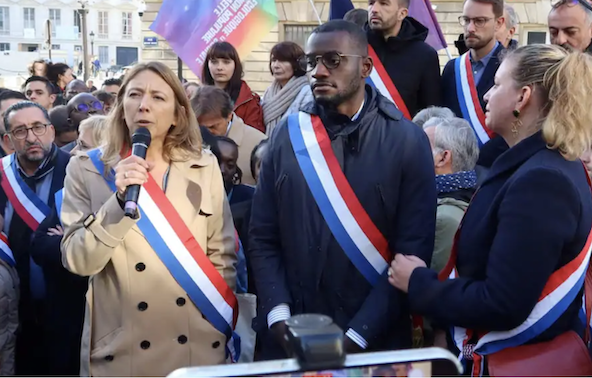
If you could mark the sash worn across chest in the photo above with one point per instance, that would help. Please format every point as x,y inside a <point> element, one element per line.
<point>562,288</point>
<point>349,223</point>
<point>381,80</point>
<point>177,248</point>
<point>468,98</point>
<point>24,200</point>
<point>5,252</point>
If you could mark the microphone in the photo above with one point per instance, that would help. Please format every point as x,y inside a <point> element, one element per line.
<point>140,142</point>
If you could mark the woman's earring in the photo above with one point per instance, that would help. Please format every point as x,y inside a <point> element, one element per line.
<point>516,113</point>
<point>516,124</point>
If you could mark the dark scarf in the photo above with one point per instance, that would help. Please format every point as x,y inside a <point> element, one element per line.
<point>456,181</point>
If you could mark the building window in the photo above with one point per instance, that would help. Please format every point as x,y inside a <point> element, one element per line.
<point>78,48</point>
<point>534,37</point>
<point>4,46</point>
<point>4,21</point>
<point>104,24</point>
<point>55,16</point>
<point>29,18</point>
<point>104,54</point>
<point>55,47</point>
<point>77,23</point>
<point>127,25</point>
<point>298,33</point>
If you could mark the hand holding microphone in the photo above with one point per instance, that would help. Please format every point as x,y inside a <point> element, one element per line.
<point>132,172</point>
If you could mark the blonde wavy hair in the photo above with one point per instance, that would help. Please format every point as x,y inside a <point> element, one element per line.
<point>183,141</point>
<point>564,80</point>
<point>97,125</point>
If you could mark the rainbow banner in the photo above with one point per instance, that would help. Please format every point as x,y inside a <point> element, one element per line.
<point>191,26</point>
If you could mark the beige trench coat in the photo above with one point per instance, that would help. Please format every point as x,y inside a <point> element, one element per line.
<point>139,321</point>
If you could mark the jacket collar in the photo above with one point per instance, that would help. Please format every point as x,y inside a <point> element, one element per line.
<point>244,95</point>
<point>237,129</point>
<point>517,155</point>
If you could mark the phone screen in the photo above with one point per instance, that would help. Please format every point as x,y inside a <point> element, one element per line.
<point>411,369</point>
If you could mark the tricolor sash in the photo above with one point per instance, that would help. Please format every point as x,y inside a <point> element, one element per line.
<point>468,98</point>
<point>24,200</point>
<point>381,80</point>
<point>351,226</point>
<point>560,291</point>
<point>5,252</point>
<point>185,259</point>
<point>59,198</point>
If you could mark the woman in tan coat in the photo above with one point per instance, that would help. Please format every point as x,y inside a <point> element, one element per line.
<point>145,315</point>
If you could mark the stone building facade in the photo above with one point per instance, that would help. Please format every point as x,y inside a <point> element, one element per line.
<point>297,18</point>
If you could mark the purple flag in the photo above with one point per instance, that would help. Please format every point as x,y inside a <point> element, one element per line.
<point>423,12</point>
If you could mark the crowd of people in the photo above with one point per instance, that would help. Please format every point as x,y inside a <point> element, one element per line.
<point>420,203</point>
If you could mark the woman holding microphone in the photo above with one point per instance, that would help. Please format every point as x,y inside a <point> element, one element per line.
<point>161,282</point>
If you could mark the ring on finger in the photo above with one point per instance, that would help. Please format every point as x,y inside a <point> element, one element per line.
<point>125,174</point>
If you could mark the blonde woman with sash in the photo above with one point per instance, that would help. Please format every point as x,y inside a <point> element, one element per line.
<point>522,251</point>
<point>161,283</point>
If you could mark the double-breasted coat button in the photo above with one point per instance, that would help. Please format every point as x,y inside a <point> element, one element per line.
<point>182,339</point>
<point>216,344</point>
<point>109,358</point>
<point>140,267</point>
<point>142,306</point>
<point>145,344</point>
<point>180,301</point>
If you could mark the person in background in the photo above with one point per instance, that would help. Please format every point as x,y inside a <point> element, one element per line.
<point>60,75</point>
<point>432,112</point>
<point>411,64</point>
<point>64,132</point>
<point>481,19</point>
<point>38,68</point>
<point>112,86</point>
<point>190,88</point>
<point>534,210</point>
<point>455,150</point>
<point>39,89</point>
<point>80,108</point>
<point>357,16</point>
<point>570,24</point>
<point>257,157</point>
<point>7,99</point>
<point>91,133</point>
<point>587,160</point>
<point>508,29</point>
<point>65,291</point>
<point>224,70</point>
<point>122,255</point>
<point>213,109</point>
<point>40,166</point>
<point>289,89</point>
<point>106,98</point>
<point>299,249</point>
<point>73,88</point>
<point>91,85</point>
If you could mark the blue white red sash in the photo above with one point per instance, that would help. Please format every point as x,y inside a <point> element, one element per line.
<point>351,226</point>
<point>59,198</point>
<point>468,98</point>
<point>23,199</point>
<point>562,288</point>
<point>381,80</point>
<point>5,252</point>
<point>185,259</point>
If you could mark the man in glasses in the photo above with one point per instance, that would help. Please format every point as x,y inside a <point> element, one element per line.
<point>570,24</point>
<point>466,79</point>
<point>80,108</point>
<point>7,99</point>
<point>411,72</point>
<point>30,178</point>
<point>326,219</point>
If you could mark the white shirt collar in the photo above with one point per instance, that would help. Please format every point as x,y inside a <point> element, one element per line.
<point>355,117</point>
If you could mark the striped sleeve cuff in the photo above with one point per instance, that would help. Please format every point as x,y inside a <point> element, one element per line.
<point>279,313</point>
<point>356,338</point>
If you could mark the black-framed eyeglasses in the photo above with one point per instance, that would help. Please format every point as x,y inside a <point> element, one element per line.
<point>478,21</point>
<point>330,59</point>
<point>21,132</point>
<point>83,108</point>
<point>571,3</point>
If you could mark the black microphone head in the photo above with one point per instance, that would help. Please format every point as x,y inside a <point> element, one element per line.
<point>142,136</point>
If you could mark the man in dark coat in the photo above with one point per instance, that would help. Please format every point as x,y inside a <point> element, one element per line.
<point>412,64</point>
<point>301,260</point>
<point>481,20</point>
<point>38,169</point>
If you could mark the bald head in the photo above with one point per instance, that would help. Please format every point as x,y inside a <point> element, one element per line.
<point>570,26</point>
<point>75,87</point>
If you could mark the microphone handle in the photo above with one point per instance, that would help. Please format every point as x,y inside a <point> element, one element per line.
<point>133,191</point>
